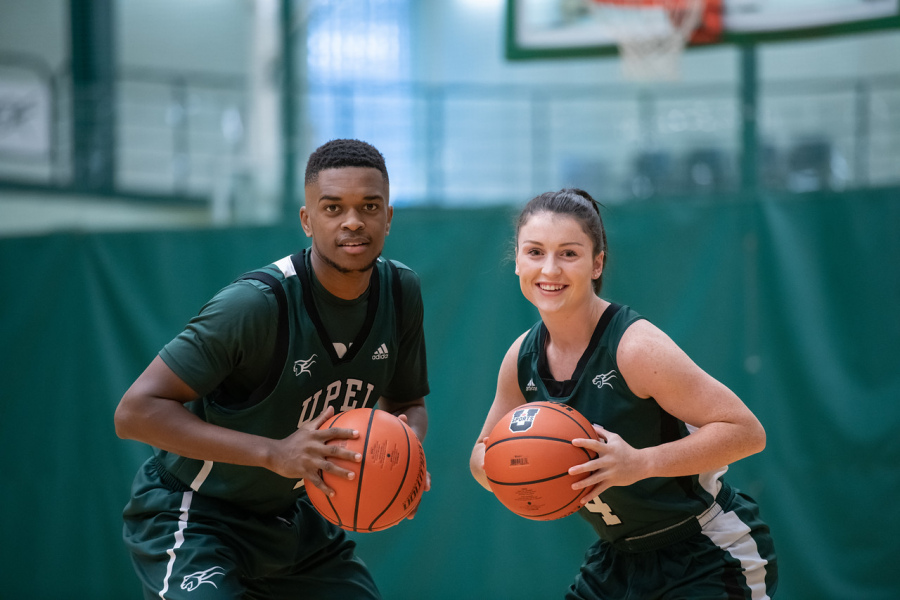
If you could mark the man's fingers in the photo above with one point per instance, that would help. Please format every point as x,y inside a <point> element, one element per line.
<point>337,433</point>
<point>325,415</point>
<point>316,480</point>
<point>338,451</point>
<point>338,471</point>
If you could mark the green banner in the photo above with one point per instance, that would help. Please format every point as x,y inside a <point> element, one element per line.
<point>792,301</point>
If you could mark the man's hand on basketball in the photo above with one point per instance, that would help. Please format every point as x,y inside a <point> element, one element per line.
<point>617,464</point>
<point>305,455</point>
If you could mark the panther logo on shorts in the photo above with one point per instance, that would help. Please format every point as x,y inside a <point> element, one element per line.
<point>195,580</point>
<point>522,419</point>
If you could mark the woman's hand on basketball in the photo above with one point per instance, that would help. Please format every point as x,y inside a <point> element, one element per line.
<point>617,464</point>
<point>305,453</point>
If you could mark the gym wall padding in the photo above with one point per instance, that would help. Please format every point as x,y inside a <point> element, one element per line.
<point>792,301</point>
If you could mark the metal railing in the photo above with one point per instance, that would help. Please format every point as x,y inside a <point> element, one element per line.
<point>178,135</point>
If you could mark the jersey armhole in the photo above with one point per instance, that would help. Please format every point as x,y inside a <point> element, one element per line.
<point>397,291</point>
<point>279,356</point>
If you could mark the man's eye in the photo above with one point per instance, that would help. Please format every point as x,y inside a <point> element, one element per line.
<point>371,206</point>
<point>331,208</point>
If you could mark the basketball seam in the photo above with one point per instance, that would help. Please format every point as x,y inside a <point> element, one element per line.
<point>540,437</point>
<point>362,466</point>
<point>330,504</point>
<point>545,479</point>
<point>340,521</point>
<point>573,419</point>
<point>402,481</point>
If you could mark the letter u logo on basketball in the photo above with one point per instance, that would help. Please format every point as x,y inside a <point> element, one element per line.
<point>522,419</point>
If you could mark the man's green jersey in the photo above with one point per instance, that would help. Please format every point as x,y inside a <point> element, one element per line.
<point>273,349</point>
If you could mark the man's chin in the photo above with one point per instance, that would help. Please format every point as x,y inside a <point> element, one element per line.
<point>347,269</point>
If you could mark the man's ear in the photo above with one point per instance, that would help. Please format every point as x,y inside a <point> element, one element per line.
<point>304,221</point>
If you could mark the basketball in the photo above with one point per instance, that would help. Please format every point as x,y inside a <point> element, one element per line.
<point>389,480</point>
<point>528,455</point>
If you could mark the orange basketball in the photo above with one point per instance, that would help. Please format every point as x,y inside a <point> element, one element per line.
<point>389,480</point>
<point>528,455</point>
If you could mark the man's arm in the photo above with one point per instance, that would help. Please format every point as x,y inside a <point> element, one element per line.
<point>414,411</point>
<point>152,411</point>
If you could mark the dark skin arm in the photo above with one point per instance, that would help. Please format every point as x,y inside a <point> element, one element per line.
<point>152,411</point>
<point>413,413</point>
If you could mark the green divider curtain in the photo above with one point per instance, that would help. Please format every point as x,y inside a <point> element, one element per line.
<point>792,301</point>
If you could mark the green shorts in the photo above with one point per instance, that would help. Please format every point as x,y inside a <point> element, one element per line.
<point>188,546</point>
<point>732,557</point>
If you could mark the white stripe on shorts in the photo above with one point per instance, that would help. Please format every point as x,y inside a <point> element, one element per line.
<point>728,532</point>
<point>179,540</point>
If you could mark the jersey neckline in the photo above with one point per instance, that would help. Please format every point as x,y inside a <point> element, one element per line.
<point>562,389</point>
<point>373,292</point>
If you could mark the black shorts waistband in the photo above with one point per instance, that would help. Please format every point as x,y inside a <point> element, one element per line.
<point>167,479</point>
<point>678,532</point>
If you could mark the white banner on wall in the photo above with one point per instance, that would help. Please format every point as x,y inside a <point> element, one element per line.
<point>24,117</point>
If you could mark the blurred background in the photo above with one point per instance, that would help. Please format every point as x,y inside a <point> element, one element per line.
<point>152,151</point>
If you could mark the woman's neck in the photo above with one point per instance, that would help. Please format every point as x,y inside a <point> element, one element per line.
<point>570,331</point>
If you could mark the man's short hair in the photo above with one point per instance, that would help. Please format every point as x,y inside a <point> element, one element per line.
<point>341,153</point>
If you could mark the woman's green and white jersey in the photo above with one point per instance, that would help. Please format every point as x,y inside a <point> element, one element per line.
<point>598,391</point>
<point>265,370</point>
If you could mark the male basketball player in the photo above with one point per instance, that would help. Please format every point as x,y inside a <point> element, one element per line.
<point>233,403</point>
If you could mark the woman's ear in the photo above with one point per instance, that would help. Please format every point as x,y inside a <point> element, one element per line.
<point>598,265</point>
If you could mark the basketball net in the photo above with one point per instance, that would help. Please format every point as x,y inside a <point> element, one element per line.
<point>651,34</point>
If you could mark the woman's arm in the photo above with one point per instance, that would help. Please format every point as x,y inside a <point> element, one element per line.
<point>652,365</point>
<point>507,397</point>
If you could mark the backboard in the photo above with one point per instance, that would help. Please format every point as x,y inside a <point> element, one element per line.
<point>569,28</point>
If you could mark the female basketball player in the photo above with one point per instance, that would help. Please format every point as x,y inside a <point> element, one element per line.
<point>669,526</point>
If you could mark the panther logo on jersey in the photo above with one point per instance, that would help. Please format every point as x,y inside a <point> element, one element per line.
<point>194,580</point>
<point>522,419</point>
<point>604,379</point>
<point>302,366</point>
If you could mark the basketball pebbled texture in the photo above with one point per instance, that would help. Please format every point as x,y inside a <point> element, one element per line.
<point>528,455</point>
<point>389,480</point>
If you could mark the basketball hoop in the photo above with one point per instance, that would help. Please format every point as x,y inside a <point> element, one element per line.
<point>651,34</point>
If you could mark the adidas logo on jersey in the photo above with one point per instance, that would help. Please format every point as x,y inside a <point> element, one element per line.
<point>531,387</point>
<point>381,353</point>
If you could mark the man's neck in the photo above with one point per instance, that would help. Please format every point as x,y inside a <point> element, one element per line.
<point>347,286</point>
